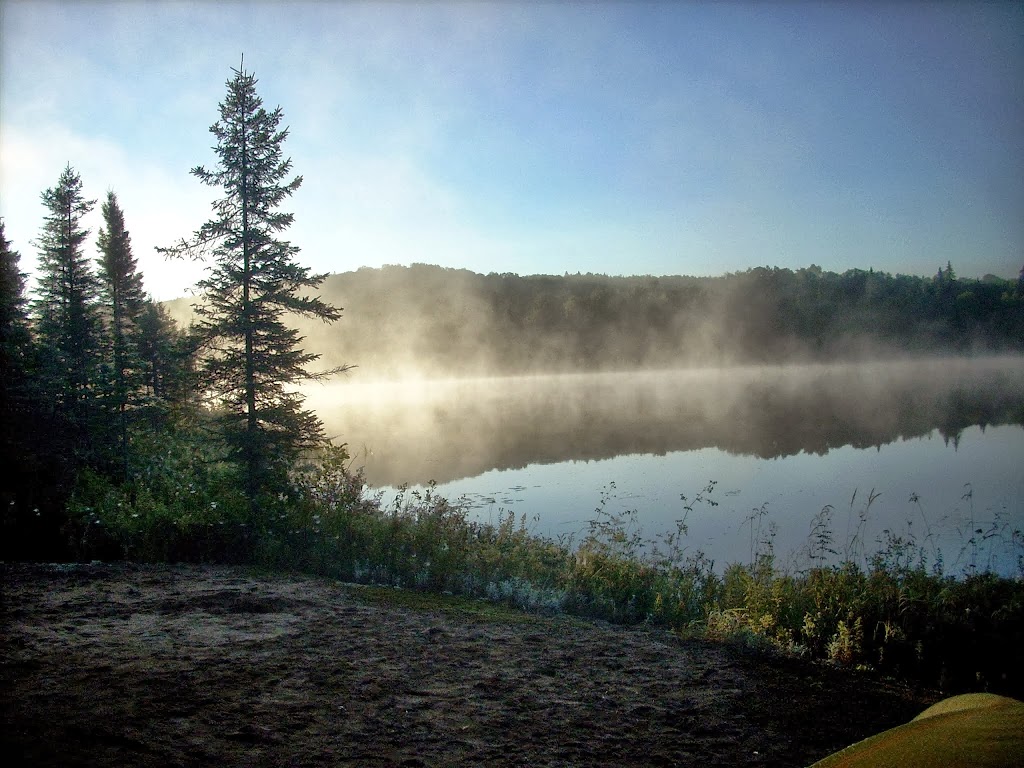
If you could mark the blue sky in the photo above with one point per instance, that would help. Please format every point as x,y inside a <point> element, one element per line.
<point>622,138</point>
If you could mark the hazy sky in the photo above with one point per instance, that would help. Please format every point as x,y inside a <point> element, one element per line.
<point>623,138</point>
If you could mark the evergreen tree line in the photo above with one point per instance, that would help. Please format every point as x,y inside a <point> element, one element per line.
<point>456,322</point>
<point>103,396</point>
<point>86,362</point>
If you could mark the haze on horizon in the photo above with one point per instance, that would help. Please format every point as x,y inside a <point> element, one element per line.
<point>615,138</point>
<point>416,430</point>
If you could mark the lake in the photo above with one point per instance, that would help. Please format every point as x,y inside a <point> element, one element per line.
<point>930,450</point>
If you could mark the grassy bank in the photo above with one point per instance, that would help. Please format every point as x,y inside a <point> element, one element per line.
<point>893,610</point>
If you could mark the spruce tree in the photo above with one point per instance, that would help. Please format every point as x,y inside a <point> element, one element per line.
<point>15,357</point>
<point>66,314</point>
<point>123,301</point>
<point>252,360</point>
<point>15,341</point>
<point>23,531</point>
<point>166,357</point>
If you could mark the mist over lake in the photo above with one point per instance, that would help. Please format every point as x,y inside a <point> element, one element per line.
<point>928,449</point>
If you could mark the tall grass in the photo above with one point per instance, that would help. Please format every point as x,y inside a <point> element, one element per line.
<point>893,609</point>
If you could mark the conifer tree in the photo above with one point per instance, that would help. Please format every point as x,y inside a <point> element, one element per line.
<point>15,351</point>
<point>19,429</point>
<point>123,300</point>
<point>66,314</point>
<point>166,363</point>
<point>14,336</point>
<point>252,359</point>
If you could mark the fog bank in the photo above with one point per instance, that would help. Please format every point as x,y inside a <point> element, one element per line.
<point>418,430</point>
<point>427,321</point>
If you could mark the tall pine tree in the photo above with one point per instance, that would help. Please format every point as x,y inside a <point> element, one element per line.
<point>123,301</point>
<point>66,314</point>
<point>253,362</point>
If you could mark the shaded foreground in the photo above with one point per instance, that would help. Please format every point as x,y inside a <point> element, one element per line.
<point>199,665</point>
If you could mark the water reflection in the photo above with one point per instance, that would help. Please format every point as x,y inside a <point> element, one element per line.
<point>417,431</point>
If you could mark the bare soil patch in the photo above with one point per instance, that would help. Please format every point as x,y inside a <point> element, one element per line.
<point>111,665</point>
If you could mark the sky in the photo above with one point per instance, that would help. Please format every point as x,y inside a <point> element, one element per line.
<point>541,138</point>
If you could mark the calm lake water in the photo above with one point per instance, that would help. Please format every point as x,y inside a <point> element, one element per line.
<point>931,450</point>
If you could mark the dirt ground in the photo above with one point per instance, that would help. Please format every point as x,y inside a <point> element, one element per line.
<point>106,665</point>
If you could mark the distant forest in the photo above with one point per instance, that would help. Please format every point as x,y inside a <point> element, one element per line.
<point>453,322</point>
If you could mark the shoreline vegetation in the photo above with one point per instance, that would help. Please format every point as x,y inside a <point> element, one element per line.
<point>894,610</point>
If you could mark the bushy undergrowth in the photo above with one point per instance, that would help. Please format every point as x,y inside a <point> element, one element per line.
<point>180,503</point>
<point>893,610</point>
